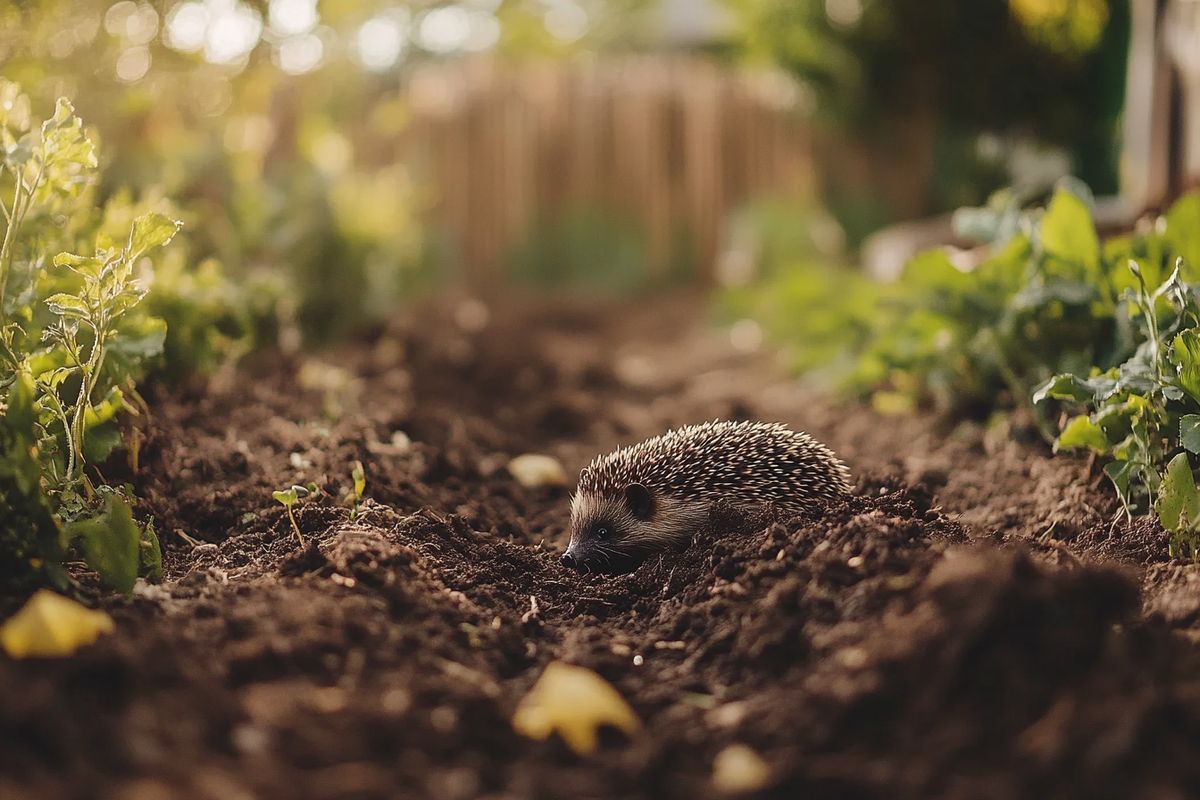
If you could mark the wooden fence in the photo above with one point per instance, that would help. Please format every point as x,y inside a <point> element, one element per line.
<point>672,144</point>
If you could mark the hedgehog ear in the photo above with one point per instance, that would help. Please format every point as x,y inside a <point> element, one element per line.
<point>639,501</point>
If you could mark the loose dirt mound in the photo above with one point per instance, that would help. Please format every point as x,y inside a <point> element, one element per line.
<point>885,646</point>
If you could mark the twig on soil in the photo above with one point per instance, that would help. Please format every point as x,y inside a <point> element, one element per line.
<point>534,611</point>
<point>1044,537</point>
<point>194,542</point>
<point>1116,518</point>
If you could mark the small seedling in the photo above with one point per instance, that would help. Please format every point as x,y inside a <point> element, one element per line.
<point>288,498</point>
<point>359,476</point>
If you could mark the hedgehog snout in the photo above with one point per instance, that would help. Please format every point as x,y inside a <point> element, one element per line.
<point>583,555</point>
<point>576,556</point>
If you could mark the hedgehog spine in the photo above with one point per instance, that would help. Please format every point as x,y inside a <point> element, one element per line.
<point>673,476</point>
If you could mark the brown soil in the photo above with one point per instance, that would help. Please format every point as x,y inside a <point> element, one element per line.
<point>977,622</point>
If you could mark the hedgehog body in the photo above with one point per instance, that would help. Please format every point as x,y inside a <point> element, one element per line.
<point>655,493</point>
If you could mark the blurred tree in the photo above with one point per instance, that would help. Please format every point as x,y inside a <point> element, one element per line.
<point>276,126</point>
<point>917,82</point>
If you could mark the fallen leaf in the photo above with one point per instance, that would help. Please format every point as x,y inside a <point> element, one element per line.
<point>52,626</point>
<point>739,770</point>
<point>574,702</point>
<point>533,470</point>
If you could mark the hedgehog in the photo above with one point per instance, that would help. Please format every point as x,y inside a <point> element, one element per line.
<point>652,495</point>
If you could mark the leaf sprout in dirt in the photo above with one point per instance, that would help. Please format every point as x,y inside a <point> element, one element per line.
<point>288,498</point>
<point>358,477</point>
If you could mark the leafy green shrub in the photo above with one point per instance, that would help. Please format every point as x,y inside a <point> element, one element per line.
<point>210,321</point>
<point>1147,410</point>
<point>74,340</point>
<point>1047,298</point>
<point>1051,320</point>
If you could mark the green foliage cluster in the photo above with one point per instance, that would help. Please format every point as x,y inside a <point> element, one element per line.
<point>1052,320</point>
<point>75,338</point>
<point>1144,414</point>
<point>290,185</point>
<point>1048,297</point>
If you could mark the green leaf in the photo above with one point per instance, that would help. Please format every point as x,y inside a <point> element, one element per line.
<point>100,442</point>
<point>1183,230</point>
<point>1189,432</point>
<point>18,440</point>
<point>1081,431</point>
<point>85,265</point>
<point>1071,387</point>
<point>150,231</point>
<point>288,497</point>
<point>1185,356</point>
<point>106,409</point>
<point>359,475</point>
<point>1067,231</point>
<point>933,269</point>
<point>1062,387</point>
<point>1128,411</point>
<point>111,543</point>
<point>138,339</point>
<point>63,112</point>
<point>19,416</point>
<point>1137,373</point>
<point>150,554</point>
<point>66,305</point>
<point>1178,503</point>
<point>67,156</point>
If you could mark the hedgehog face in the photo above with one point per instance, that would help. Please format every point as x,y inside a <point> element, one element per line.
<point>607,531</point>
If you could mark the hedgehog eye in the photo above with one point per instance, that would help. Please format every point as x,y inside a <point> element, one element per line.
<point>601,532</point>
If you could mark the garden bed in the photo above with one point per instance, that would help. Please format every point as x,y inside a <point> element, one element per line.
<point>979,620</point>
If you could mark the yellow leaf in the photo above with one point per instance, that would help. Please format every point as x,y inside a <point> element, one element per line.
<point>575,702</point>
<point>533,470</point>
<point>739,770</point>
<point>52,626</point>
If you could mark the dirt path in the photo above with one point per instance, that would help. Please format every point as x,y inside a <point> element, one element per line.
<point>949,632</point>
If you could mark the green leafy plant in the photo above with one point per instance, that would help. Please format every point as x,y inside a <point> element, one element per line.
<point>288,498</point>
<point>90,329</point>
<point>1145,413</point>
<point>74,341</point>
<point>1098,342</point>
<point>971,333</point>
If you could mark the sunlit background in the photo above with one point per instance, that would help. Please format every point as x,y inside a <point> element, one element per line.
<point>345,156</point>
